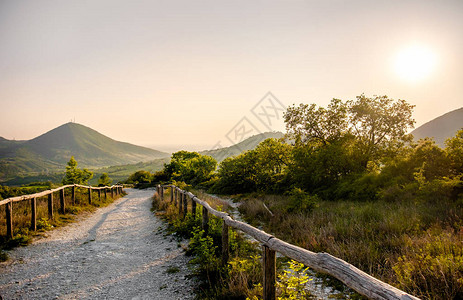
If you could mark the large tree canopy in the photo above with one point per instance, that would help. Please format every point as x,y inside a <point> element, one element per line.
<point>375,123</point>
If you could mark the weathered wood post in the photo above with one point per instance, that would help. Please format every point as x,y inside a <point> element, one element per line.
<point>99,194</point>
<point>205,222</point>
<point>171,193</point>
<point>89,195</point>
<point>180,203</point>
<point>185,205</point>
<point>112,192</point>
<point>50,206</point>
<point>162,192</point>
<point>73,195</point>
<point>105,193</point>
<point>224,243</point>
<point>269,266</point>
<point>9,219</point>
<point>176,196</point>
<point>62,204</point>
<point>34,214</point>
<point>193,207</point>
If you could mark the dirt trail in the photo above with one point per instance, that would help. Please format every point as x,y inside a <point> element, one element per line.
<point>119,252</point>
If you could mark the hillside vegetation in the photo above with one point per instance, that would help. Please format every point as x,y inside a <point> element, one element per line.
<point>353,184</point>
<point>49,152</point>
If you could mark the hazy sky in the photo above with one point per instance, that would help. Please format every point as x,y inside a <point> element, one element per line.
<point>184,74</point>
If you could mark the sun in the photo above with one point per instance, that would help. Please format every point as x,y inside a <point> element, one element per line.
<point>415,63</point>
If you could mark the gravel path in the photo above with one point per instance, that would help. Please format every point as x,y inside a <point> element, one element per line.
<point>118,252</point>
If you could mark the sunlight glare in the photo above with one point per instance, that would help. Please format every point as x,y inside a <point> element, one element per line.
<point>415,63</point>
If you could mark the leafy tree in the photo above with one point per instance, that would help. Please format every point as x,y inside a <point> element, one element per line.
<point>190,167</point>
<point>140,177</point>
<point>174,168</point>
<point>237,174</point>
<point>454,149</point>
<point>74,175</point>
<point>259,169</point>
<point>307,123</point>
<point>104,180</point>
<point>379,123</point>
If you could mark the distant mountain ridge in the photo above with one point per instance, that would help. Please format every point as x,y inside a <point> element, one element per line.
<point>441,128</point>
<point>52,150</point>
<point>245,145</point>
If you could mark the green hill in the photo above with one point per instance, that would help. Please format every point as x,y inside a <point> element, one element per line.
<point>43,157</point>
<point>51,151</point>
<point>441,128</point>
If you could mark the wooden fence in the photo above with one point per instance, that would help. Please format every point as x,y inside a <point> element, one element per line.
<point>322,262</point>
<point>114,190</point>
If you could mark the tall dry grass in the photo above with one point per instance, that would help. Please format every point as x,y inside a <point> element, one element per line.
<point>416,246</point>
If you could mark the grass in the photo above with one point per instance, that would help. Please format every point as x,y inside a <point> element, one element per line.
<point>22,214</point>
<point>241,277</point>
<point>414,245</point>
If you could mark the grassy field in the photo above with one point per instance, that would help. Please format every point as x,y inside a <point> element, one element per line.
<point>415,246</point>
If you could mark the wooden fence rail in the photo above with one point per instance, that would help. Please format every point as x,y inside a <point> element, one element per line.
<point>117,189</point>
<point>351,276</point>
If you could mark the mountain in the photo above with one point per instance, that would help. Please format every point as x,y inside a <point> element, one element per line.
<point>441,128</point>
<point>248,144</point>
<point>52,150</point>
<point>31,165</point>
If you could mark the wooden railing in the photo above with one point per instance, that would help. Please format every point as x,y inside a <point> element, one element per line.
<point>114,190</point>
<point>321,262</point>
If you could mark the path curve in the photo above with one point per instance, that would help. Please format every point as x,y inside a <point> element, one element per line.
<point>118,252</point>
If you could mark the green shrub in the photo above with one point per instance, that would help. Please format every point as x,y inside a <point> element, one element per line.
<point>43,225</point>
<point>301,201</point>
<point>291,283</point>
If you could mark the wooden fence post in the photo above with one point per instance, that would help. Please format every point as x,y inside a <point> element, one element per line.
<point>73,193</point>
<point>224,243</point>
<point>180,203</point>
<point>99,194</point>
<point>9,219</point>
<point>176,197</point>
<point>205,222</point>
<point>193,207</point>
<point>162,192</point>
<point>89,195</point>
<point>62,204</point>
<point>171,193</point>
<point>185,205</point>
<point>269,266</point>
<point>112,192</point>
<point>50,206</point>
<point>34,214</point>
<point>105,193</point>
